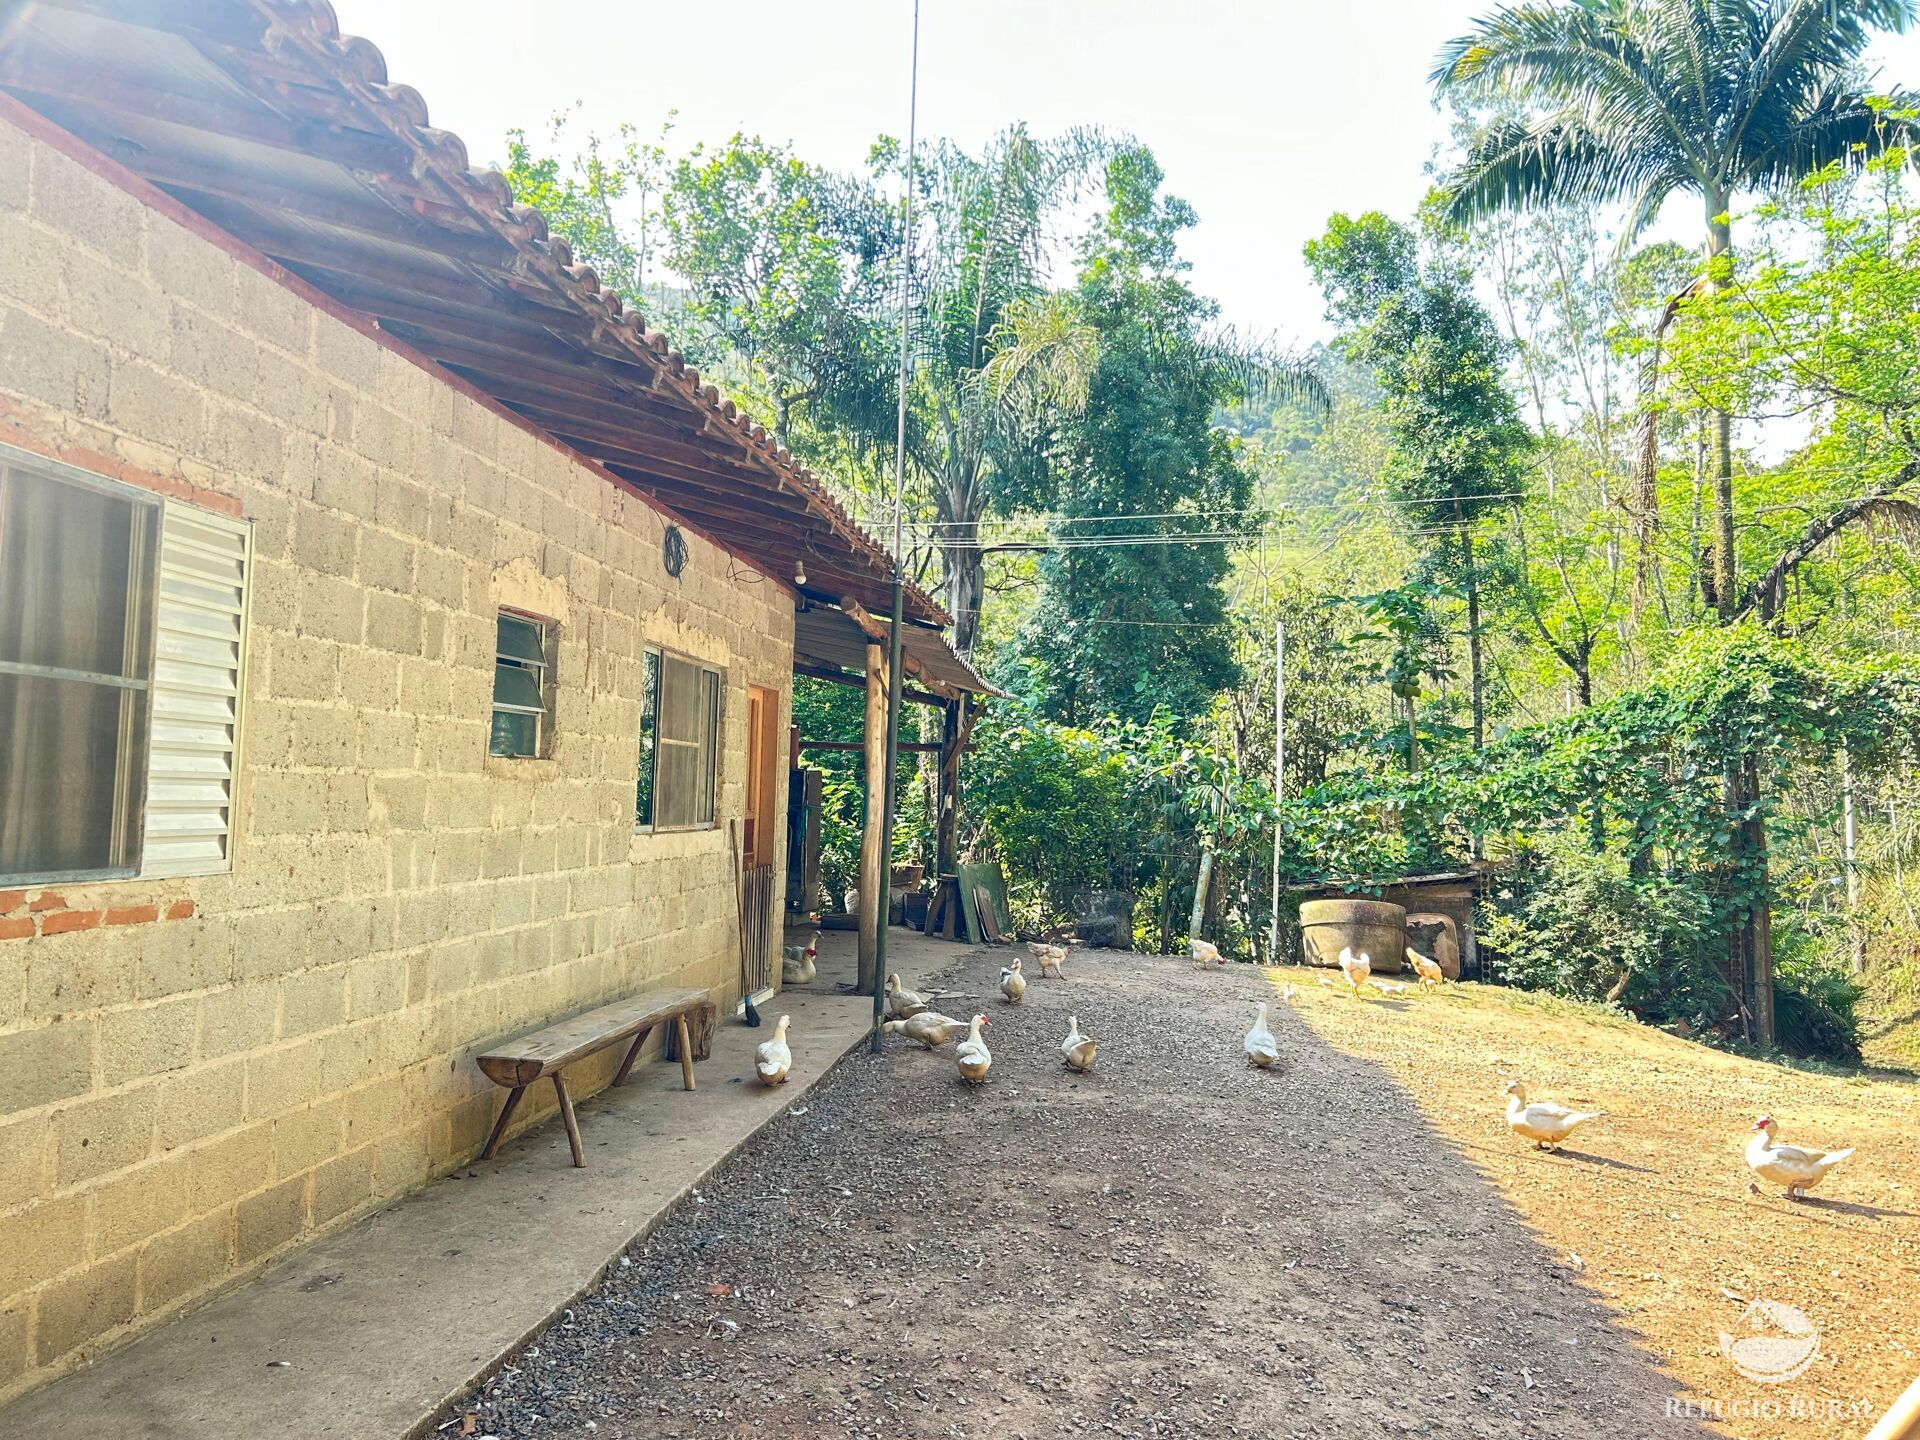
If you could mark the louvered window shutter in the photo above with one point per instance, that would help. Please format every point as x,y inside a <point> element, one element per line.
<point>205,567</point>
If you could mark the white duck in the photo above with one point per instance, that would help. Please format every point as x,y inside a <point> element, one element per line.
<point>1076,1047</point>
<point>796,963</point>
<point>772,1059</point>
<point>1425,967</point>
<point>1204,953</point>
<point>902,1002</point>
<point>1013,984</point>
<point>1789,1166</point>
<point>972,1056</point>
<point>1355,967</point>
<point>929,1027</point>
<point>1262,1049</point>
<point>1542,1121</point>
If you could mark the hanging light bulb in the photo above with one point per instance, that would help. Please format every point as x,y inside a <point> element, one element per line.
<point>800,572</point>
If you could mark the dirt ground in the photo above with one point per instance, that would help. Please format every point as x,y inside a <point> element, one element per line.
<point>1174,1245</point>
<point>1656,1200</point>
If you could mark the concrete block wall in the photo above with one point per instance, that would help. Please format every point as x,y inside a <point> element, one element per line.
<point>198,1074</point>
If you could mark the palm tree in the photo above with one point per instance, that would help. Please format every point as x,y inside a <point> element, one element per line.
<point>1633,101</point>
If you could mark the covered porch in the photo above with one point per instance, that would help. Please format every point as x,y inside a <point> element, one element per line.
<point>842,643</point>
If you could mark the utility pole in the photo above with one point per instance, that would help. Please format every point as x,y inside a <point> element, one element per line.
<point>1279,776</point>
<point>899,546</point>
<point>1850,840</point>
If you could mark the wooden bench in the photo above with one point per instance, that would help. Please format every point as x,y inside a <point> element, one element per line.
<point>544,1053</point>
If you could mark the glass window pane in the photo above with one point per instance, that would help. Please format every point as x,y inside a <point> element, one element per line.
<point>679,700</point>
<point>521,639</point>
<point>76,569</point>
<point>516,686</point>
<point>709,746</point>
<point>649,710</point>
<point>514,735</point>
<point>679,767</point>
<point>72,775</point>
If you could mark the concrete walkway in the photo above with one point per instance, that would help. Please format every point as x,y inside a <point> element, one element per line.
<point>368,1334</point>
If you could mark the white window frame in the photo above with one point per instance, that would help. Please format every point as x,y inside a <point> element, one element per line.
<point>542,672</point>
<point>157,688</point>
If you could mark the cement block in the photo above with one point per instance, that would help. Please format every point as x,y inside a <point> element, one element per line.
<point>84,1306</point>
<point>45,1064</point>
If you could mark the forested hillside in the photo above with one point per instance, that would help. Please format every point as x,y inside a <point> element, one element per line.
<point>1593,550</point>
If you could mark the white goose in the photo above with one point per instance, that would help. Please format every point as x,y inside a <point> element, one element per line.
<point>902,1002</point>
<point>1262,1049</point>
<point>772,1059</point>
<point>1542,1121</point>
<point>929,1027</point>
<point>1076,1047</point>
<point>973,1057</point>
<point>1797,1170</point>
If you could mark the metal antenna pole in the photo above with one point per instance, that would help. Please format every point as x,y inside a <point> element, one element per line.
<point>899,548</point>
<point>1279,775</point>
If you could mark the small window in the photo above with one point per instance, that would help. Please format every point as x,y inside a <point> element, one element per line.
<point>77,587</point>
<point>679,743</point>
<point>521,720</point>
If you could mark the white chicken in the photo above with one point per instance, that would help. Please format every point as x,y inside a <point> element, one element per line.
<point>797,962</point>
<point>1393,987</point>
<point>1013,985</point>
<point>1797,1170</point>
<point>772,1059</point>
<point>1427,968</point>
<point>1262,1049</point>
<point>1288,994</point>
<point>903,1003</point>
<point>1204,953</point>
<point>1077,1048</point>
<point>972,1056</point>
<point>1355,967</point>
<point>1542,1121</point>
<point>929,1027</point>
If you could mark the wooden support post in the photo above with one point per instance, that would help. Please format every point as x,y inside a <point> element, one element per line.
<point>873,864</point>
<point>573,1125</point>
<point>633,1053</point>
<point>947,791</point>
<point>500,1125</point>
<point>686,1051</point>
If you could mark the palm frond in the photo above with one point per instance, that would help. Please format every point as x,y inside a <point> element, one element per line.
<point>1516,164</point>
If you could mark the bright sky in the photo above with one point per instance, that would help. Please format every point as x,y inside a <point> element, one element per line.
<point>1267,115</point>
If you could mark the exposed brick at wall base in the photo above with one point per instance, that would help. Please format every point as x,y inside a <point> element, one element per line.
<point>196,1074</point>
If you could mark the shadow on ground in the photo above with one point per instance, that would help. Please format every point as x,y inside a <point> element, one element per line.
<point>1174,1245</point>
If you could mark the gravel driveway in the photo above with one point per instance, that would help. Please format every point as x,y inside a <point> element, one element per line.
<point>1173,1245</point>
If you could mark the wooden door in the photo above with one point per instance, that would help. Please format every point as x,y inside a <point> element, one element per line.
<point>761,828</point>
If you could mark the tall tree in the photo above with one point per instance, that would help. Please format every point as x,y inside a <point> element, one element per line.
<point>1634,101</point>
<point>1459,446</point>
<point>1132,619</point>
<point>796,267</point>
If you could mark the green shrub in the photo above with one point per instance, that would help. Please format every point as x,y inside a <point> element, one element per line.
<point>1578,924</point>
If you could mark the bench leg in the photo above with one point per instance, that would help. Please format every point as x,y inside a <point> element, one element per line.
<point>633,1054</point>
<point>686,1050</point>
<point>500,1125</point>
<point>573,1125</point>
